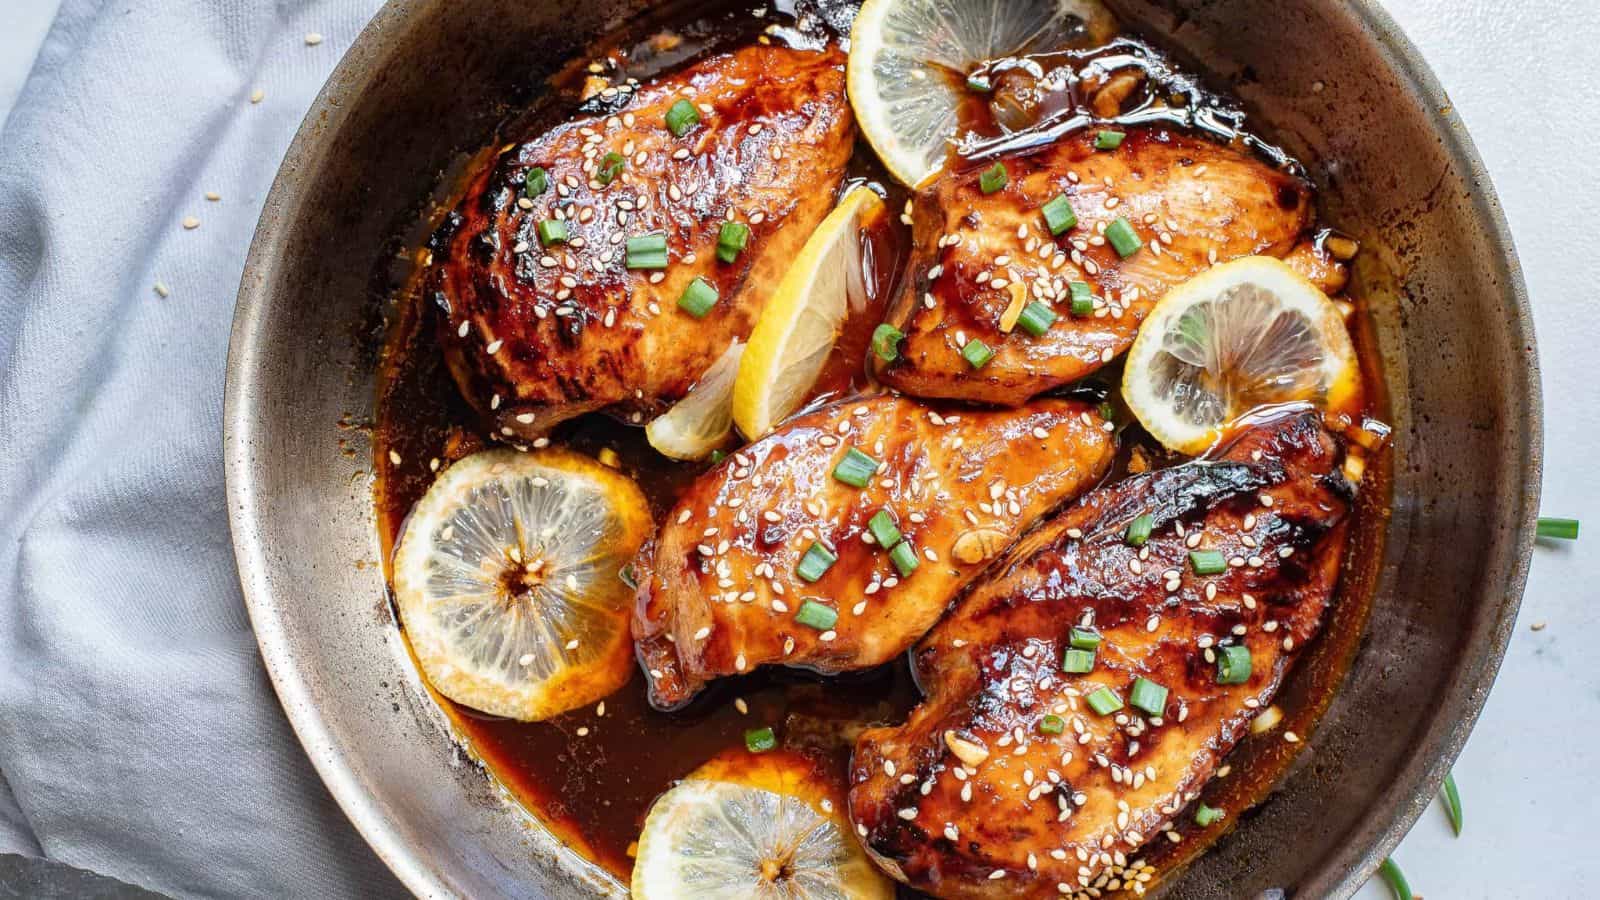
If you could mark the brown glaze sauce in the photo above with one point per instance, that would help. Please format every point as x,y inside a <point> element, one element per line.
<point>592,777</point>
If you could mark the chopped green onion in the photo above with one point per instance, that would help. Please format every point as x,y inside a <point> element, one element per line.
<point>818,559</point>
<point>1058,214</point>
<point>856,468</point>
<point>1084,639</point>
<point>977,353</point>
<point>1564,529</point>
<point>1036,318</point>
<point>535,182</point>
<point>1205,815</point>
<point>1107,411</point>
<point>814,615</point>
<point>1104,701</point>
<point>1148,696</point>
<point>552,231</point>
<point>1052,724</point>
<point>1108,140</point>
<point>1233,664</point>
<point>681,117</point>
<point>1139,530</point>
<point>1082,298</point>
<point>993,178</point>
<point>625,574</point>
<point>883,528</point>
<point>1122,238</point>
<point>979,83</point>
<point>731,239</point>
<point>647,251</point>
<point>718,456</point>
<point>1452,802</point>
<point>610,167</point>
<point>1207,562</point>
<point>760,740</point>
<point>698,298</point>
<point>1396,880</point>
<point>886,342</point>
<point>1078,662</point>
<point>904,557</point>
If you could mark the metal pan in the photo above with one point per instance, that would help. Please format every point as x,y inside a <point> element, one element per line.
<point>1335,82</point>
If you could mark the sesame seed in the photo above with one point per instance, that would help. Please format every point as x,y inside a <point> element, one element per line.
<point>190,223</point>
<point>313,39</point>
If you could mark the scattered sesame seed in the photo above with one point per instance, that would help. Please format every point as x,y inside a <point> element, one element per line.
<point>313,39</point>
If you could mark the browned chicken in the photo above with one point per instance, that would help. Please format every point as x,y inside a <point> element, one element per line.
<point>772,557</point>
<point>978,259</point>
<point>543,325</point>
<point>1022,775</point>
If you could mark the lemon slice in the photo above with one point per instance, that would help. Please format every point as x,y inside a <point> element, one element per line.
<point>801,320</point>
<point>703,419</point>
<point>506,579</point>
<point>909,60</point>
<point>1236,337</point>
<point>761,826</point>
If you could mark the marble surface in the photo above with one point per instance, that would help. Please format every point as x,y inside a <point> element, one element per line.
<point>1517,76</point>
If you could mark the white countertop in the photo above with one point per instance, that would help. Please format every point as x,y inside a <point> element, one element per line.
<point>1518,76</point>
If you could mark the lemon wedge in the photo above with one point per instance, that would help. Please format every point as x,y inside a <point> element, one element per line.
<point>703,419</point>
<point>753,827</point>
<point>801,320</point>
<point>1239,336</point>
<point>909,61</point>
<point>507,585</point>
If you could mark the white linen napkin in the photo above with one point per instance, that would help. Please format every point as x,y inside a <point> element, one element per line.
<point>139,736</point>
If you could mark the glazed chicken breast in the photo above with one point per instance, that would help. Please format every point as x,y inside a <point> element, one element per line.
<point>551,308</point>
<point>773,557</point>
<point>978,259</point>
<point>1081,695</point>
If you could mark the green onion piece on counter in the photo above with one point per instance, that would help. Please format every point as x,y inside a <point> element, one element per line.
<point>1104,701</point>
<point>993,178</point>
<point>1108,140</point>
<point>856,468</point>
<point>1059,215</point>
<point>814,615</point>
<point>1148,696</point>
<point>818,559</point>
<point>681,117</point>
<point>698,298</point>
<point>760,740</point>
<point>1233,664</point>
<point>610,167</point>
<point>883,528</point>
<point>977,353</point>
<point>1395,879</point>
<point>1139,530</point>
<point>1078,662</point>
<point>1036,318</point>
<point>731,240</point>
<point>886,342</point>
<point>1452,802</point>
<point>1207,562</point>
<point>1084,639</point>
<point>1122,238</point>
<point>536,182</point>
<point>551,231</point>
<point>1052,724</point>
<point>904,557</point>
<point>647,251</point>
<point>1205,815</point>
<point>1562,529</point>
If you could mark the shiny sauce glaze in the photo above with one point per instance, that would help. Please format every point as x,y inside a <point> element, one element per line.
<point>591,774</point>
